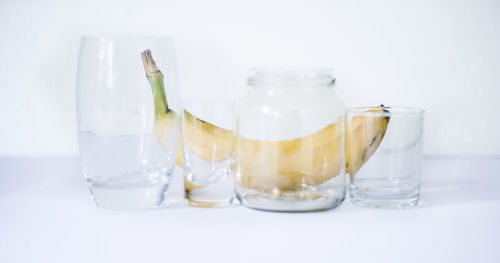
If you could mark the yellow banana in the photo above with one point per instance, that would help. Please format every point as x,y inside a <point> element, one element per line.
<point>363,136</point>
<point>313,159</point>
<point>291,164</point>
<point>165,118</point>
<point>201,136</point>
<point>265,165</point>
<point>205,140</point>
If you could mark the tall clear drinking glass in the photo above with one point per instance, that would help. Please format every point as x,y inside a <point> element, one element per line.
<point>128,123</point>
<point>387,176</point>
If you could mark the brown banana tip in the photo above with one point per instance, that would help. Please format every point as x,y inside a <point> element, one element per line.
<point>386,110</point>
<point>149,64</point>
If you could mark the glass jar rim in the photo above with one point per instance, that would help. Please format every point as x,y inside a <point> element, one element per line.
<point>126,38</point>
<point>97,37</point>
<point>377,110</point>
<point>290,76</point>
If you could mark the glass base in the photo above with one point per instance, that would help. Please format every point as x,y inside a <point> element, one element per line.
<point>398,198</point>
<point>195,203</point>
<point>292,201</point>
<point>219,195</point>
<point>141,190</point>
<point>208,184</point>
<point>128,199</point>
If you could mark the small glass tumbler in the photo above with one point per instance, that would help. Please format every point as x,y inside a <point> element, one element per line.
<point>128,121</point>
<point>384,152</point>
<point>208,148</point>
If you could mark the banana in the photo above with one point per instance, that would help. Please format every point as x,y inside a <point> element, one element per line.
<point>313,159</point>
<point>165,118</point>
<point>163,128</point>
<point>201,136</point>
<point>267,165</point>
<point>363,136</point>
<point>292,164</point>
<point>206,140</point>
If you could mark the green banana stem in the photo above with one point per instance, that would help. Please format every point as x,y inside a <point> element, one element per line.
<point>155,79</point>
<point>160,100</point>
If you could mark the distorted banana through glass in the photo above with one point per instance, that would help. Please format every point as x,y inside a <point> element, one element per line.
<point>284,164</point>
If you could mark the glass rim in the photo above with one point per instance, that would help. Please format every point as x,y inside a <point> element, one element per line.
<point>404,110</point>
<point>290,75</point>
<point>207,101</point>
<point>125,37</point>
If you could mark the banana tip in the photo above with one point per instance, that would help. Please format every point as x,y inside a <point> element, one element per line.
<point>149,64</point>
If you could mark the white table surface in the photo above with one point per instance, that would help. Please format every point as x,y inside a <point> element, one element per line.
<point>46,215</point>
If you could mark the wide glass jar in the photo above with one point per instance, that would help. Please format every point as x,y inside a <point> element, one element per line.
<point>290,143</point>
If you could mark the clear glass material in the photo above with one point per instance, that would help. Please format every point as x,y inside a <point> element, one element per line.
<point>390,178</point>
<point>119,135</point>
<point>290,154</point>
<point>208,149</point>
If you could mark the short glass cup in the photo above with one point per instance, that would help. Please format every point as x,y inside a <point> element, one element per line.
<point>208,149</point>
<point>127,146</point>
<point>387,176</point>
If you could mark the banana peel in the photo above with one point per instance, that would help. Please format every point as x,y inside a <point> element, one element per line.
<point>265,165</point>
<point>292,164</point>
<point>364,134</point>
<point>201,136</point>
<point>206,141</point>
<point>313,159</point>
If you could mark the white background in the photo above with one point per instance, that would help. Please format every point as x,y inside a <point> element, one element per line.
<point>443,56</point>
